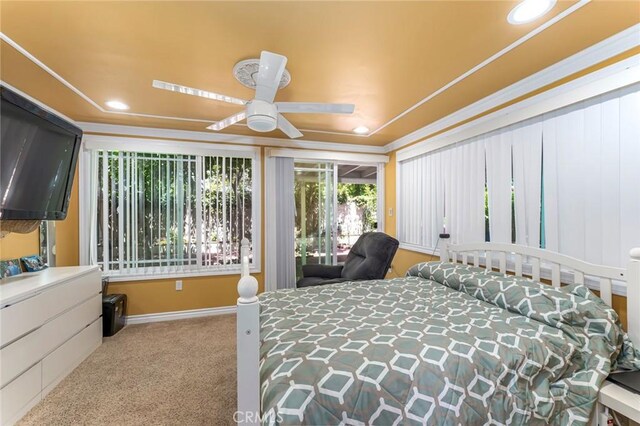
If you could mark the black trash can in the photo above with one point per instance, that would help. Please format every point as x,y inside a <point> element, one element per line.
<point>114,309</point>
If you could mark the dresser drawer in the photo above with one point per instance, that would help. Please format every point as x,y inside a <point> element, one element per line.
<point>20,355</point>
<point>64,359</point>
<point>22,317</point>
<point>20,395</point>
<point>63,327</point>
<point>64,296</point>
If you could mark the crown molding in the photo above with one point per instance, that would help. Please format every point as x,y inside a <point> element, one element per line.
<point>191,135</point>
<point>166,146</point>
<point>300,154</point>
<point>616,76</point>
<point>608,48</point>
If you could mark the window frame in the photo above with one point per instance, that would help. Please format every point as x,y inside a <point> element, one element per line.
<point>161,146</point>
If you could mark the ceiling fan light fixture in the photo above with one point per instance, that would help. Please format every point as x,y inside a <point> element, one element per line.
<point>361,130</point>
<point>262,123</point>
<point>121,106</point>
<point>529,10</point>
<point>262,116</point>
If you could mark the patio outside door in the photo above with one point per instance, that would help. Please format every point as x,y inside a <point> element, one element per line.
<point>315,209</point>
<point>335,204</point>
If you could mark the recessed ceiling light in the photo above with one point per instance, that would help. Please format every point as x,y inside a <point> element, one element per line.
<point>117,105</point>
<point>361,130</point>
<point>528,10</point>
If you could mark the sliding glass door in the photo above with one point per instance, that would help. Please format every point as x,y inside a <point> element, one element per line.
<point>335,204</point>
<point>315,201</point>
<point>357,205</point>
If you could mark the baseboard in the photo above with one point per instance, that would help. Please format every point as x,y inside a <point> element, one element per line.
<point>178,315</point>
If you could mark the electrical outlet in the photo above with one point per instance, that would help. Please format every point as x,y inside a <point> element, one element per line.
<point>179,285</point>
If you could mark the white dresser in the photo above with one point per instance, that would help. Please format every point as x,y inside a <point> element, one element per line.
<point>50,321</point>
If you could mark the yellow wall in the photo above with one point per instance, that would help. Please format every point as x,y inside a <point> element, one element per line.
<point>67,238</point>
<point>14,246</point>
<point>146,297</point>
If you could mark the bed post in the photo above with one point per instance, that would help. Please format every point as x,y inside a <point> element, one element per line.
<point>248,344</point>
<point>633,296</point>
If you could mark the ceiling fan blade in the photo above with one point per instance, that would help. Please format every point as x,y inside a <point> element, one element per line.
<point>219,125</point>
<point>315,108</point>
<point>288,128</point>
<point>271,70</point>
<point>196,92</point>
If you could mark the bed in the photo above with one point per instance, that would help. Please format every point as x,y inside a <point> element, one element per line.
<point>453,342</point>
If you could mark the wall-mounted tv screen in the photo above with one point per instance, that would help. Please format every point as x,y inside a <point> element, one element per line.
<point>38,155</point>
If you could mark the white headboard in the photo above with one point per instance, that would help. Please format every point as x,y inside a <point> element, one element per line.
<point>533,261</point>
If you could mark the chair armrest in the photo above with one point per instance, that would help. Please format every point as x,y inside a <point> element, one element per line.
<point>322,271</point>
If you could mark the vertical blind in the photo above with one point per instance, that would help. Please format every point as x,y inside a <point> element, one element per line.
<point>280,212</point>
<point>526,151</point>
<point>591,178</point>
<point>566,181</point>
<point>169,213</point>
<point>444,183</point>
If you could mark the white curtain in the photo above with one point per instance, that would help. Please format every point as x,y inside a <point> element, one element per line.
<point>629,171</point>
<point>442,183</point>
<point>527,181</point>
<point>421,194</point>
<point>464,192</point>
<point>592,177</point>
<point>280,224</point>
<point>499,184</point>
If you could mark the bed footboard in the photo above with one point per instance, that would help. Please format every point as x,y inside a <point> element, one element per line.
<point>248,345</point>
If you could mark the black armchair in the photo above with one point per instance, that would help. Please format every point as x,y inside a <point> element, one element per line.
<point>369,259</point>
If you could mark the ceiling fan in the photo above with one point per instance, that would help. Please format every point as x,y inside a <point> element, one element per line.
<point>262,113</point>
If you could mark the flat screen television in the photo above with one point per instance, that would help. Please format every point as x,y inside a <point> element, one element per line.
<point>38,156</point>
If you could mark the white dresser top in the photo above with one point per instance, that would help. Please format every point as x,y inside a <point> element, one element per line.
<point>19,287</point>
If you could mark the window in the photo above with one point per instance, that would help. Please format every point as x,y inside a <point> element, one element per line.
<point>172,213</point>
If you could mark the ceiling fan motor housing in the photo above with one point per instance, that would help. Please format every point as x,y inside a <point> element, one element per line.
<point>262,116</point>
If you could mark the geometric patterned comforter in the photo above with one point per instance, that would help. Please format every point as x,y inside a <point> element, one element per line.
<point>449,344</point>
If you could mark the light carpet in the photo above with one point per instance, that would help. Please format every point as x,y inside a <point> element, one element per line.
<point>166,373</point>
